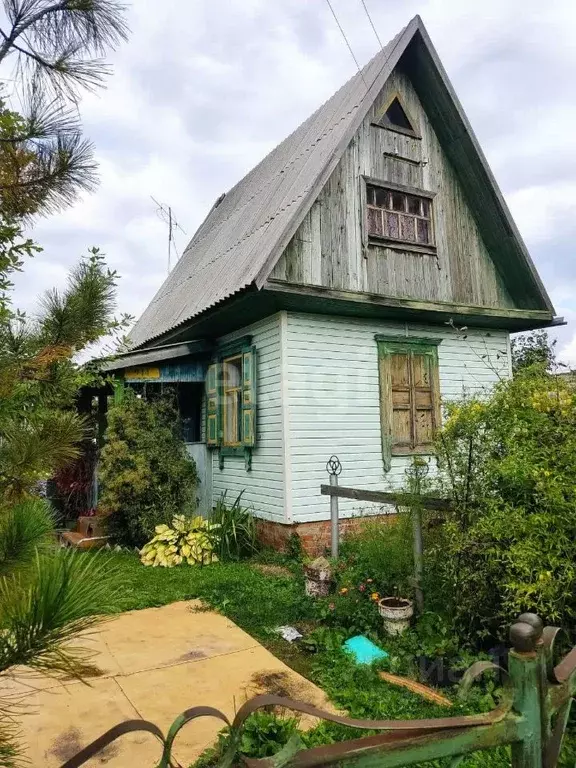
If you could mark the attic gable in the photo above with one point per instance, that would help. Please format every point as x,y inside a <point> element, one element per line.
<point>242,239</point>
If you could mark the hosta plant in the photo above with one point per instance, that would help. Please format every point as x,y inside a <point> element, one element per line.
<point>191,540</point>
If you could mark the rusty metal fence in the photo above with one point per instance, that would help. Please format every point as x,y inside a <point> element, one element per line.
<point>531,717</point>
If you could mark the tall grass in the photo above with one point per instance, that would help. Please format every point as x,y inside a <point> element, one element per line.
<point>236,534</point>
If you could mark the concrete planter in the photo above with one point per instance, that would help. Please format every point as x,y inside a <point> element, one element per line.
<point>318,578</point>
<point>396,612</point>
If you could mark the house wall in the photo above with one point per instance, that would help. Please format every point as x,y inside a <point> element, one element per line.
<point>333,403</point>
<point>330,248</point>
<point>263,485</point>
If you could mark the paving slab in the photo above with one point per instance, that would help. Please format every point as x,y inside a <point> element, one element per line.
<point>155,664</point>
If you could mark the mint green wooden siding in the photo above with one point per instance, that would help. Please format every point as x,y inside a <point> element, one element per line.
<point>333,399</point>
<point>263,485</point>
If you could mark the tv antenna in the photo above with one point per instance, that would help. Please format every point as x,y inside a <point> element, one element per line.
<point>164,213</point>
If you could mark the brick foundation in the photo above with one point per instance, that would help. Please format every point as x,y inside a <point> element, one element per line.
<point>314,537</point>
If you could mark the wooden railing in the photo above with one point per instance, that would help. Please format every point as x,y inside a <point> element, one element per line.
<point>531,718</point>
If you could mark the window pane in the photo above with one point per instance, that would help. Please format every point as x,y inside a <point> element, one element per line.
<point>232,412</point>
<point>407,228</point>
<point>425,207</point>
<point>374,221</point>
<point>423,230</point>
<point>413,205</point>
<point>370,195</point>
<point>232,372</point>
<point>232,385</point>
<point>392,227</point>
<point>381,198</point>
<point>398,201</point>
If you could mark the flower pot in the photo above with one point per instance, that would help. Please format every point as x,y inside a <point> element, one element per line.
<point>318,581</point>
<point>396,612</point>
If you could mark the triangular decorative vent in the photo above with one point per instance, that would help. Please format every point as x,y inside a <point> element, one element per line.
<point>396,117</point>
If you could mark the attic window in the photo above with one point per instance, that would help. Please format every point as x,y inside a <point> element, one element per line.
<point>399,216</point>
<point>395,118</point>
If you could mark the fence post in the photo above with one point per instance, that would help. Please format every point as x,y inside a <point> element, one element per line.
<point>334,468</point>
<point>525,668</point>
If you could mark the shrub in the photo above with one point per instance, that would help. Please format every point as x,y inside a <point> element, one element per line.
<point>146,474</point>
<point>379,551</point>
<point>191,540</point>
<point>509,544</point>
<point>236,529</point>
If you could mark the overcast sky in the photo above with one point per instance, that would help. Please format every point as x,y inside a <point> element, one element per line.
<point>205,88</point>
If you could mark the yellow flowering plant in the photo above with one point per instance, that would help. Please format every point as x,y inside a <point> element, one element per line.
<point>507,462</point>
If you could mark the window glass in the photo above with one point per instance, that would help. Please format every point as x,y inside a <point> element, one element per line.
<point>398,215</point>
<point>232,393</point>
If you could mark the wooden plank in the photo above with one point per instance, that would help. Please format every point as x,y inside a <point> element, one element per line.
<point>443,307</point>
<point>384,497</point>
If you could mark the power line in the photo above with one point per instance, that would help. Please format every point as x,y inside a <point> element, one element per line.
<point>372,24</point>
<point>347,43</point>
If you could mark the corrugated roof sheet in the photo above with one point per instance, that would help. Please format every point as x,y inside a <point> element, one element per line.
<point>236,240</point>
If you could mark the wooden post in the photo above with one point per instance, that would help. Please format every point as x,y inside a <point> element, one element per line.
<point>418,550</point>
<point>335,533</point>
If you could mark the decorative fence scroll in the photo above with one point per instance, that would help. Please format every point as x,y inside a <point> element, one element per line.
<point>531,717</point>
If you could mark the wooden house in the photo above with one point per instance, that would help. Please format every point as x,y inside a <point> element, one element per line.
<point>366,270</point>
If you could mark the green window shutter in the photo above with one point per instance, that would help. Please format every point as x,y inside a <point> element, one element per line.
<point>213,405</point>
<point>249,397</point>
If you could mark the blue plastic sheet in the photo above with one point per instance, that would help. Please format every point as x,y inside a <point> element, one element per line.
<point>364,650</point>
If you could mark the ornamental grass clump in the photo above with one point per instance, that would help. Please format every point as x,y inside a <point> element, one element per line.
<point>190,540</point>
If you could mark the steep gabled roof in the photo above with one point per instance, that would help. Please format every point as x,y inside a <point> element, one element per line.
<point>245,233</point>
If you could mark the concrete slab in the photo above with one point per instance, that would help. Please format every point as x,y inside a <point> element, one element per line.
<point>225,683</point>
<point>156,663</point>
<point>59,721</point>
<point>139,641</point>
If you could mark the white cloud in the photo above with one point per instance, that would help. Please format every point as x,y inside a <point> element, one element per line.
<point>203,90</point>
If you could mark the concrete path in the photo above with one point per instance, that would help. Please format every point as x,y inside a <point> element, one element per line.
<point>155,664</point>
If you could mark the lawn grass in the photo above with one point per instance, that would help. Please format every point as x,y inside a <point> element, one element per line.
<point>258,602</point>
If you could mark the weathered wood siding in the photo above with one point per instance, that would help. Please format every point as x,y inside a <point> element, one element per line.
<point>263,485</point>
<point>333,400</point>
<point>330,248</point>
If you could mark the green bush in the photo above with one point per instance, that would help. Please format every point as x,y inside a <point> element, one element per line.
<point>382,552</point>
<point>190,540</point>
<point>509,545</point>
<point>236,529</point>
<point>146,474</point>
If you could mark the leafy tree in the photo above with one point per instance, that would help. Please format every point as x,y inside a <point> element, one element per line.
<point>46,598</point>
<point>533,348</point>
<point>146,474</point>
<point>509,544</point>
